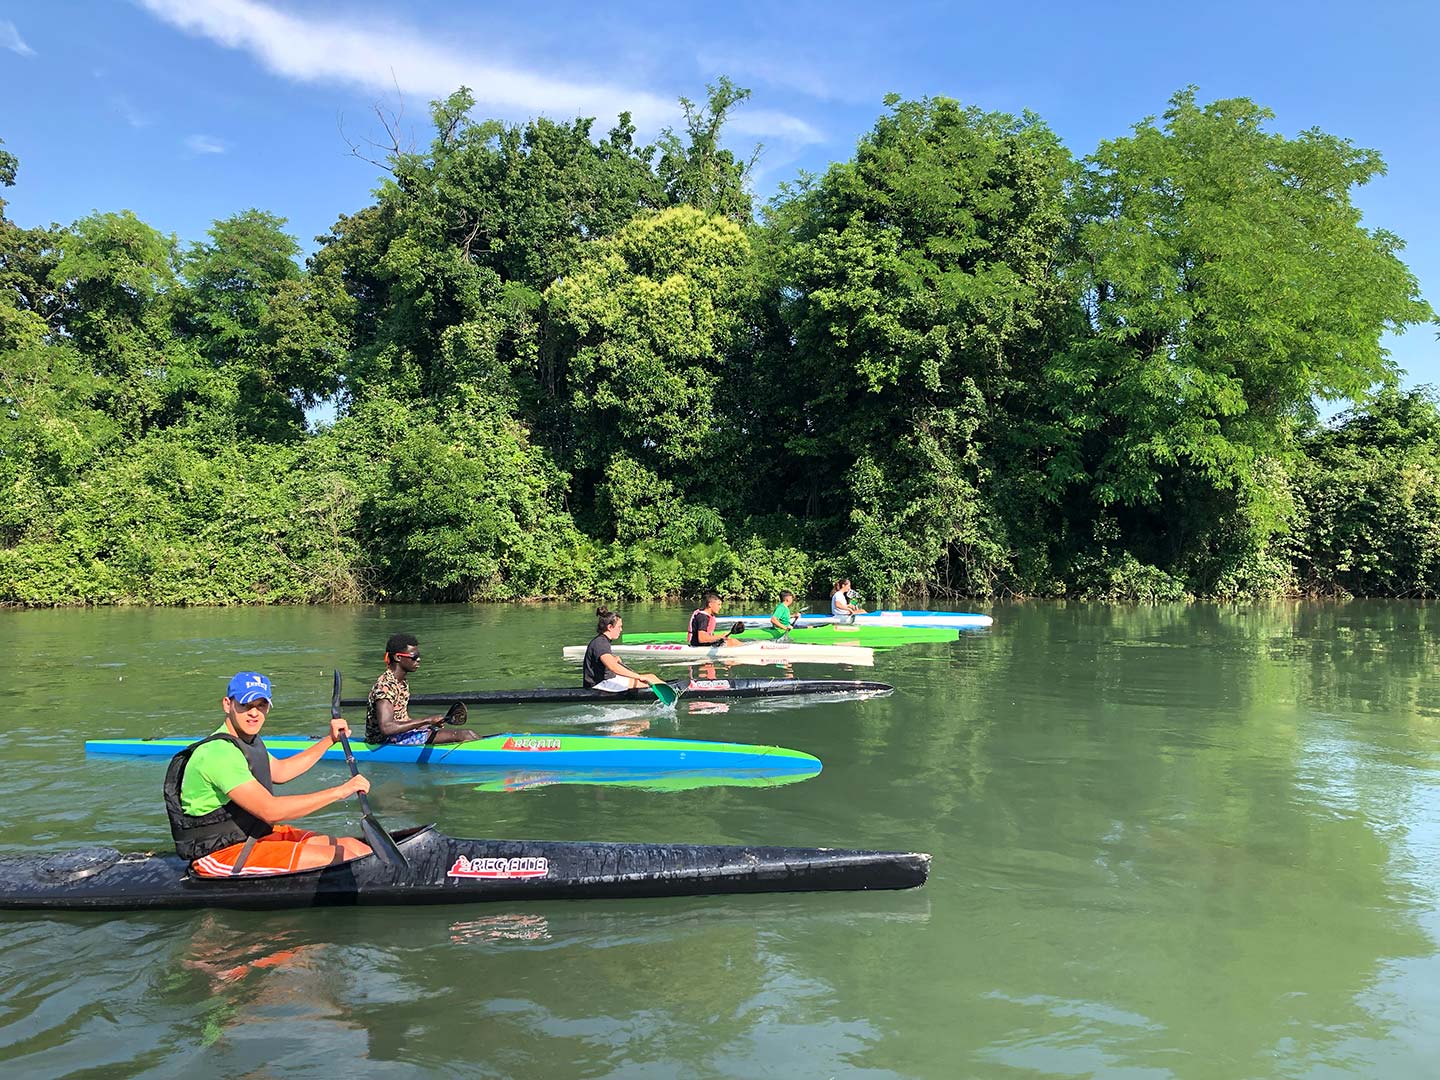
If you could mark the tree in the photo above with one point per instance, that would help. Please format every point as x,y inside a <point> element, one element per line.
<point>270,329</point>
<point>448,268</point>
<point>1369,493</point>
<point>917,290</point>
<point>1228,282</point>
<point>114,278</point>
<point>696,171</point>
<point>646,320</point>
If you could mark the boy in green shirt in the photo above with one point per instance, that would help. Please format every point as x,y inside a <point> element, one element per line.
<point>781,619</point>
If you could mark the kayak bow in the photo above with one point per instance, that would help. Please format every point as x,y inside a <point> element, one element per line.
<point>446,870</point>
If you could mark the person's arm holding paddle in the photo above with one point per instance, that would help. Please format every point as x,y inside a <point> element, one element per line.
<point>840,604</point>
<point>602,669</point>
<point>615,667</point>
<point>702,625</point>
<point>390,725</point>
<point>782,618</point>
<point>252,796</point>
<point>283,770</point>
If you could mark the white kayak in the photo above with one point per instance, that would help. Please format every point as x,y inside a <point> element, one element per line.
<point>948,620</point>
<point>751,652</point>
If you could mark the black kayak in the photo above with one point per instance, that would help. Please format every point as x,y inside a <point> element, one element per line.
<point>694,688</point>
<point>446,870</point>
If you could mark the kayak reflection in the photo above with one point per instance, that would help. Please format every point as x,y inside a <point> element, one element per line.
<point>640,779</point>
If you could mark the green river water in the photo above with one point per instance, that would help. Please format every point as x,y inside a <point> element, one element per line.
<point>1168,842</point>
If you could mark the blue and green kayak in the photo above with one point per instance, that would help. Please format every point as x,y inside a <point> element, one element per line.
<point>522,751</point>
<point>875,637</point>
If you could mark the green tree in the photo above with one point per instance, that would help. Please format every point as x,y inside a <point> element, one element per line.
<point>271,331</point>
<point>1228,283</point>
<point>916,289</point>
<point>1369,493</point>
<point>696,170</point>
<point>646,321</point>
<point>448,268</point>
<point>115,279</point>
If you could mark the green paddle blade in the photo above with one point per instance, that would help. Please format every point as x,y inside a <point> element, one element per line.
<point>667,694</point>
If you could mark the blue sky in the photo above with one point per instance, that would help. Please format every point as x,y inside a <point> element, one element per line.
<point>189,110</point>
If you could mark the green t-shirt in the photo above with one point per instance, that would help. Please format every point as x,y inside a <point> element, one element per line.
<point>782,612</point>
<point>212,772</point>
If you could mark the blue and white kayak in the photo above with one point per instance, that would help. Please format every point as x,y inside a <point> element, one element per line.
<point>948,620</point>
<point>520,751</point>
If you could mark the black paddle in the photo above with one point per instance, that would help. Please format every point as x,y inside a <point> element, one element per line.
<point>375,835</point>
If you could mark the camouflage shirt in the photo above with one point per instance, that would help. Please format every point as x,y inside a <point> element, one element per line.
<point>387,688</point>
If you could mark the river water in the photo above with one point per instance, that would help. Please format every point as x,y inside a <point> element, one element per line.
<point>1168,842</point>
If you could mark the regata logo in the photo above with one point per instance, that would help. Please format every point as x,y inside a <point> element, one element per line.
<point>521,867</point>
<point>530,742</point>
<point>709,684</point>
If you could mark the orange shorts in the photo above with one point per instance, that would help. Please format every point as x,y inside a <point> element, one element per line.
<point>277,853</point>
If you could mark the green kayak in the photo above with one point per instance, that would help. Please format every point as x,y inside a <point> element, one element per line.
<point>875,637</point>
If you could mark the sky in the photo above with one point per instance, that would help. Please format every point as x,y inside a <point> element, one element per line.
<point>186,111</point>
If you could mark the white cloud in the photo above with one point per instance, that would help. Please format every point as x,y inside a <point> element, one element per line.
<point>762,122</point>
<point>10,39</point>
<point>204,144</point>
<point>357,50</point>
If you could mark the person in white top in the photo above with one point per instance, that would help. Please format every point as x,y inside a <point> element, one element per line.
<point>840,605</point>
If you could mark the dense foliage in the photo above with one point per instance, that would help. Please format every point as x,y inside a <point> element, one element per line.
<point>960,362</point>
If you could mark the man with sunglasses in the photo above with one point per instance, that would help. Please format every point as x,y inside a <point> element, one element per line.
<point>387,712</point>
<point>220,795</point>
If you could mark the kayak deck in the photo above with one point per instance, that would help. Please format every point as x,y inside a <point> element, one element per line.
<point>446,870</point>
<point>524,750</point>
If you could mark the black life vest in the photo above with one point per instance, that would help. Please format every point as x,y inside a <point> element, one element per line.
<point>196,837</point>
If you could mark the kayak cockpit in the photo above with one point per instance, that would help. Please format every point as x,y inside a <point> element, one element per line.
<point>408,839</point>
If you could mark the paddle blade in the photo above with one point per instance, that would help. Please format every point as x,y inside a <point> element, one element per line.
<point>384,846</point>
<point>457,713</point>
<point>667,694</point>
<point>381,842</point>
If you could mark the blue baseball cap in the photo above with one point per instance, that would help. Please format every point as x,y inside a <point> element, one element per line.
<point>248,686</point>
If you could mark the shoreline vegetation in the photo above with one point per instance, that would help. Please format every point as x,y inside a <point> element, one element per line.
<point>962,363</point>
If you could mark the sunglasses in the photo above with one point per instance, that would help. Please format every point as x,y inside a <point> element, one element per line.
<point>407,656</point>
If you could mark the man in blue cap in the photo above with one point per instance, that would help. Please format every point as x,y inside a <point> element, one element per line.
<point>220,795</point>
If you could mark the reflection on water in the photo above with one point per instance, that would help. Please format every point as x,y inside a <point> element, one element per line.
<point>505,927</point>
<point>1169,842</point>
<point>640,779</point>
